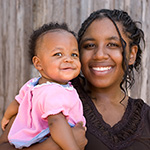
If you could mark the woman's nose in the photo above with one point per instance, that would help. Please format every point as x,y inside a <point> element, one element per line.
<point>100,53</point>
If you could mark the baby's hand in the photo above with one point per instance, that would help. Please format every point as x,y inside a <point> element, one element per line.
<point>4,123</point>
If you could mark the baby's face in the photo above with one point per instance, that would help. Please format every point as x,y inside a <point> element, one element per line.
<point>58,56</point>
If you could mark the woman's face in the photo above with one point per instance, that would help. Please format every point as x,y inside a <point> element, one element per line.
<point>101,54</point>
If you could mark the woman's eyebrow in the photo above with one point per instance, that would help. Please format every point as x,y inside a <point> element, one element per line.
<point>113,38</point>
<point>87,39</point>
<point>92,39</point>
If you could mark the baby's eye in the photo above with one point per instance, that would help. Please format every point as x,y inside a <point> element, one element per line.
<point>57,54</point>
<point>89,46</point>
<point>75,55</point>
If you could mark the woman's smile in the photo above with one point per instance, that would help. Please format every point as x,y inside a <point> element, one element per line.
<point>101,70</point>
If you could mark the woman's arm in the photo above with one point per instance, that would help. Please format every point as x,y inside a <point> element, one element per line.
<point>49,144</point>
<point>3,138</point>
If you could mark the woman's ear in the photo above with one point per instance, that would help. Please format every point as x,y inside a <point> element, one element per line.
<point>37,63</point>
<point>132,55</point>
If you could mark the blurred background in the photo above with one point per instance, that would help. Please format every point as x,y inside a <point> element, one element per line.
<point>19,17</point>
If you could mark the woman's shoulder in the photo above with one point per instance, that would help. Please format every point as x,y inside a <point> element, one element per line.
<point>141,110</point>
<point>140,103</point>
<point>140,106</point>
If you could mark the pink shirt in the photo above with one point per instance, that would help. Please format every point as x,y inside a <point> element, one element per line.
<point>40,101</point>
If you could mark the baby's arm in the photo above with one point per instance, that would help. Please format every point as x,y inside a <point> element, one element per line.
<point>61,132</point>
<point>11,110</point>
<point>48,144</point>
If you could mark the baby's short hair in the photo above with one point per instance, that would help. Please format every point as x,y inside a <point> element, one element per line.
<point>40,31</point>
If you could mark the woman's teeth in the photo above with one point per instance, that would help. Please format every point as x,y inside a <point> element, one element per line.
<point>101,68</point>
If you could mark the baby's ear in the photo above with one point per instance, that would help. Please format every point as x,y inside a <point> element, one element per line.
<point>37,63</point>
<point>132,55</point>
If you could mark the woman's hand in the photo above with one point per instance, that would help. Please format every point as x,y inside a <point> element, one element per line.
<point>79,134</point>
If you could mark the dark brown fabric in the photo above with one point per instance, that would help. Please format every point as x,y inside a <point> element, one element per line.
<point>132,132</point>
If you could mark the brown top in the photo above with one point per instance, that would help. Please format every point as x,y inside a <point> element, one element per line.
<point>132,132</point>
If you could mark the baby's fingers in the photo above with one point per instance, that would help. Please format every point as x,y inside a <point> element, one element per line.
<point>4,123</point>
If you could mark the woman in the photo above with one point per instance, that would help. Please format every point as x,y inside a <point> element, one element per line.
<point>109,43</point>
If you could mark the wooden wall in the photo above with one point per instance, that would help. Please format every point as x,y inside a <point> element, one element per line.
<point>19,17</point>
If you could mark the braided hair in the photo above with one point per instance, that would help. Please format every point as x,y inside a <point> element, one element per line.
<point>131,30</point>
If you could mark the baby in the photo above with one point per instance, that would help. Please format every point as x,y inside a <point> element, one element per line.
<point>48,104</point>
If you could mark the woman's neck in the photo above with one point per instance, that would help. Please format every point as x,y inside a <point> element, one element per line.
<point>105,95</point>
<point>108,102</point>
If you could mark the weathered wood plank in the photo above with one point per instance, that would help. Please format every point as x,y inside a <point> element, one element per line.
<point>15,69</point>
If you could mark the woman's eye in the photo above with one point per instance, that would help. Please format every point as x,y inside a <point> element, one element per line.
<point>58,54</point>
<point>89,46</point>
<point>112,45</point>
